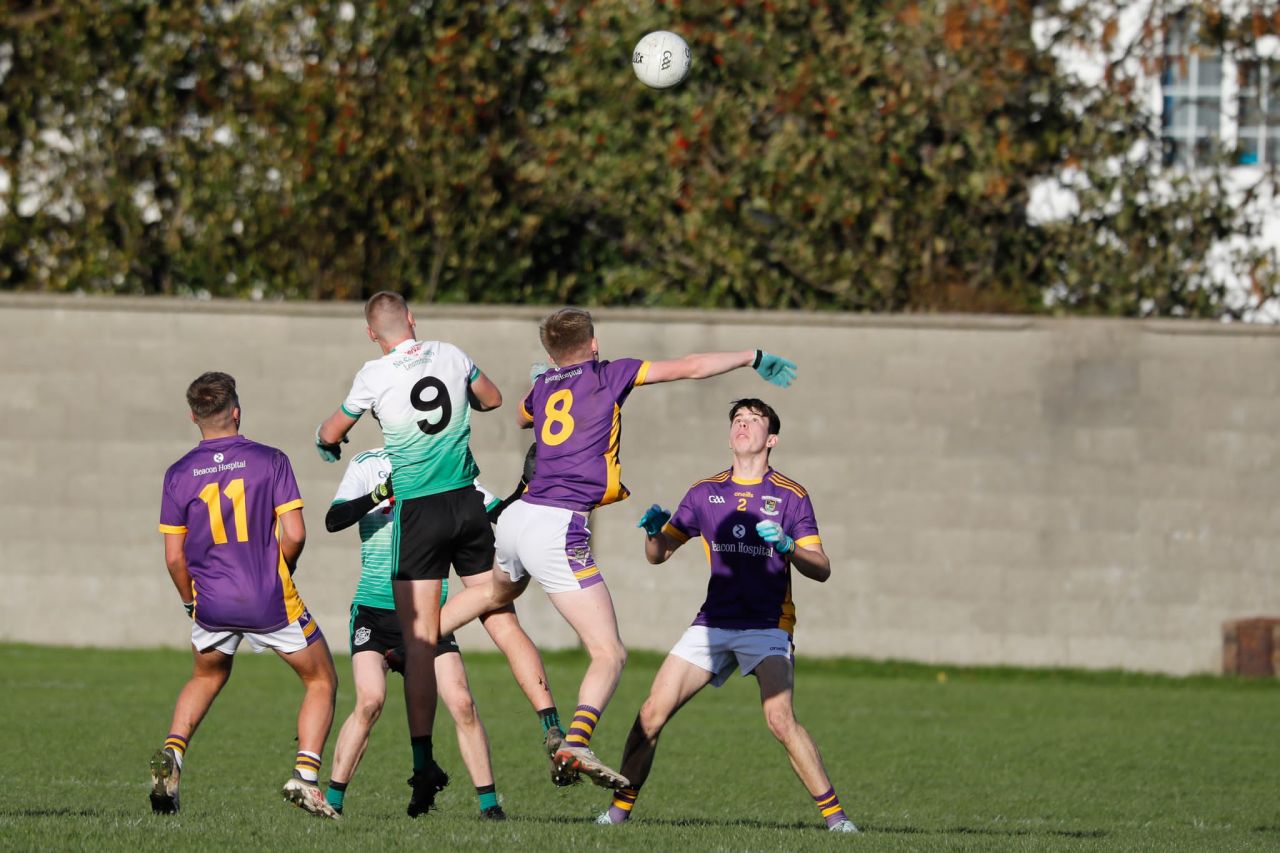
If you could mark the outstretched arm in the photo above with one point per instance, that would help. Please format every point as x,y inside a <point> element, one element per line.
<point>772,368</point>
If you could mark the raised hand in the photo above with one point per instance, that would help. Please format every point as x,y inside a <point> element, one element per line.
<point>774,368</point>
<point>653,519</point>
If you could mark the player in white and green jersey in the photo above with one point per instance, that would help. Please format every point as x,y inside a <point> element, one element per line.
<point>422,392</point>
<point>364,497</point>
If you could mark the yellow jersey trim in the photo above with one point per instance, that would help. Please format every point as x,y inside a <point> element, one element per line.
<point>173,528</point>
<point>289,507</point>
<point>805,541</point>
<point>672,532</point>
<point>643,372</point>
<point>757,481</point>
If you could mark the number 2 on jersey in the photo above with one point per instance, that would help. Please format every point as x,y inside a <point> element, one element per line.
<point>211,494</point>
<point>557,412</point>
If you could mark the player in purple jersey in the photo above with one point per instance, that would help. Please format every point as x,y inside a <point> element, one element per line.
<point>755,524</point>
<point>575,411</point>
<point>231,516</point>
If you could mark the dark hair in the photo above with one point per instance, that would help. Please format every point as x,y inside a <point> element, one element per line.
<point>566,331</point>
<point>212,394</point>
<point>759,407</point>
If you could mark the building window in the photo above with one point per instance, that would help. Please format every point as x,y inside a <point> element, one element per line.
<point>1258,106</point>
<point>1191,83</point>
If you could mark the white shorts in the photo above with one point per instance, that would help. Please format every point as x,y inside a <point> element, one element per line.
<point>719,650</point>
<point>550,544</point>
<point>294,637</point>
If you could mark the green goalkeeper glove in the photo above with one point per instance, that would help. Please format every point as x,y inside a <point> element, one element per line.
<point>329,452</point>
<point>653,519</point>
<point>381,492</point>
<point>771,532</point>
<point>190,607</point>
<point>774,368</point>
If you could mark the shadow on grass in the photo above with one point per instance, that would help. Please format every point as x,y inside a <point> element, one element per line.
<point>976,830</point>
<point>751,823</point>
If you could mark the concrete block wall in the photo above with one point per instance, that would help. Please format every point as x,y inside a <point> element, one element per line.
<point>1093,493</point>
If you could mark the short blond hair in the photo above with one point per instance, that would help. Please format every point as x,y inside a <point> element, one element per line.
<point>566,332</point>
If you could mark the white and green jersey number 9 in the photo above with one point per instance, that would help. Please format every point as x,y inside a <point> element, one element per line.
<point>430,397</point>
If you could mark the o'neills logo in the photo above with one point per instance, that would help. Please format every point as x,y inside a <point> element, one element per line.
<point>214,469</point>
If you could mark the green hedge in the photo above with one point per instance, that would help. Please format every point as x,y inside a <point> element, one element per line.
<point>831,155</point>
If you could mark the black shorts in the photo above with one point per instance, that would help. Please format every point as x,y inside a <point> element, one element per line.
<point>436,531</point>
<point>374,629</point>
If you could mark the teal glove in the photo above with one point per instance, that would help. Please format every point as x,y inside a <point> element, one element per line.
<point>329,452</point>
<point>774,368</point>
<point>537,369</point>
<point>653,519</point>
<point>771,532</point>
<point>381,492</point>
<point>190,607</point>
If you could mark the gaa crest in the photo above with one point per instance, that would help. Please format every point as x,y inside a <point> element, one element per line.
<point>769,504</point>
<point>579,554</point>
<point>361,636</point>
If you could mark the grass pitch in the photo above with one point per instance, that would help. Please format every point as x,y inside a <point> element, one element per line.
<point>978,760</point>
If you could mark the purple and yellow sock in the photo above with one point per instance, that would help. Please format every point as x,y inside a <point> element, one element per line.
<point>829,805</point>
<point>623,800</point>
<point>307,766</point>
<point>583,726</point>
<point>176,744</point>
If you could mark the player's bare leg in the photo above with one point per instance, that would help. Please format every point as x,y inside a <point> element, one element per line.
<point>590,613</point>
<point>776,677</point>
<point>522,655</point>
<point>314,666</point>
<point>482,593</point>
<point>473,740</point>
<point>418,608</point>
<point>676,683</point>
<point>507,634</point>
<point>210,671</point>
<point>369,672</point>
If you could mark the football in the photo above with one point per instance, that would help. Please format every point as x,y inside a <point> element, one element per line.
<point>661,60</point>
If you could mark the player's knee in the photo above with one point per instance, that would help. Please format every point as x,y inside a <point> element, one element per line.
<point>781,722</point>
<point>463,711</point>
<point>613,654</point>
<point>651,719</point>
<point>368,710</point>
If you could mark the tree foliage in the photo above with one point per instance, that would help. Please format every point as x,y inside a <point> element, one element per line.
<point>829,155</point>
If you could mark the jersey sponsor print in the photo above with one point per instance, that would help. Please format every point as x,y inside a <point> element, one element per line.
<point>226,496</point>
<point>577,423</point>
<point>750,584</point>
<point>418,392</point>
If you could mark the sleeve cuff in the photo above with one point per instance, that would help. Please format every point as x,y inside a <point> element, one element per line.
<point>475,373</point>
<point>350,413</point>
<point>805,541</point>
<point>289,507</point>
<point>643,372</point>
<point>674,533</point>
<point>173,528</point>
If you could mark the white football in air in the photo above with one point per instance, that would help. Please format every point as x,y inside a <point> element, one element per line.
<point>661,60</point>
